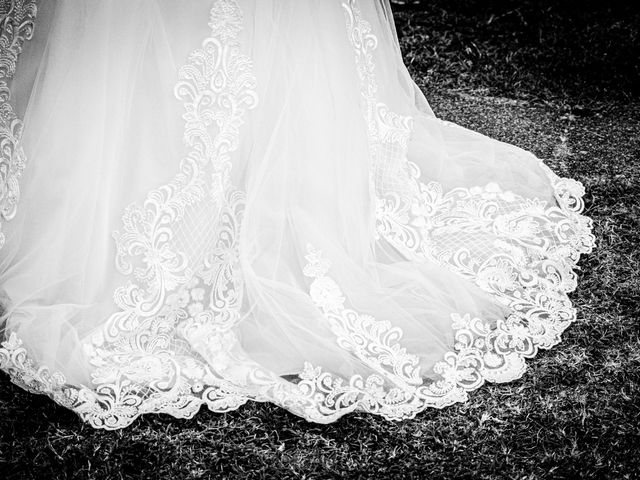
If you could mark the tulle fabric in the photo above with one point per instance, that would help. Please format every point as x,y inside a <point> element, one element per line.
<point>234,243</point>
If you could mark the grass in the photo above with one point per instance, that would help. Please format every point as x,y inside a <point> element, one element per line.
<point>575,413</point>
<point>586,50</point>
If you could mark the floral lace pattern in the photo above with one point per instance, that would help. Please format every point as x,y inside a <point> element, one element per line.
<point>136,368</point>
<point>17,22</point>
<point>388,131</point>
<point>372,341</point>
<point>179,301</point>
<point>534,245</point>
<point>481,352</point>
<point>138,356</point>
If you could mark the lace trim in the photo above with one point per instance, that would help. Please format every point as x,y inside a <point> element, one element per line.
<point>137,358</point>
<point>144,359</point>
<point>398,391</point>
<point>372,341</point>
<point>534,246</point>
<point>17,22</point>
<point>137,368</point>
<point>482,353</point>
<point>388,131</point>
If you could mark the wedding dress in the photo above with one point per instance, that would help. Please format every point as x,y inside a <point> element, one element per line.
<point>217,201</point>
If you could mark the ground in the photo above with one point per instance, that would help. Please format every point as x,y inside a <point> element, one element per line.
<point>575,413</point>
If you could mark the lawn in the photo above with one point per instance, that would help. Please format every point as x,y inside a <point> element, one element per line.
<point>560,81</point>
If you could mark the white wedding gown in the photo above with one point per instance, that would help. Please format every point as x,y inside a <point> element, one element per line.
<point>216,201</point>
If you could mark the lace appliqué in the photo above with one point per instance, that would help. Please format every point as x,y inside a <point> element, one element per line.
<point>138,363</point>
<point>17,22</point>
<point>374,342</point>
<point>481,352</point>
<point>521,251</point>
<point>388,131</point>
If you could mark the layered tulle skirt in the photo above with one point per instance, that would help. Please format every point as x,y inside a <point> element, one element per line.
<point>210,202</point>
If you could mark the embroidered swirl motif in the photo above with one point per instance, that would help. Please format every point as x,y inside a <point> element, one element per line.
<point>398,390</point>
<point>481,352</point>
<point>137,363</point>
<point>374,342</point>
<point>17,21</point>
<point>139,344</point>
<point>534,246</point>
<point>388,131</point>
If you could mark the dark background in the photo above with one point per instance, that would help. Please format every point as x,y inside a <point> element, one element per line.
<point>581,51</point>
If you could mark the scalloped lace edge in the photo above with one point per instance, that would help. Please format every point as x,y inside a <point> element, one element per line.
<point>482,351</point>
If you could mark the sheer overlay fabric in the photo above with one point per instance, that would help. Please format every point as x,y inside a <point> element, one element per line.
<point>216,201</point>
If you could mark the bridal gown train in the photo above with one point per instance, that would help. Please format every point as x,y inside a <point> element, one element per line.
<point>217,201</point>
